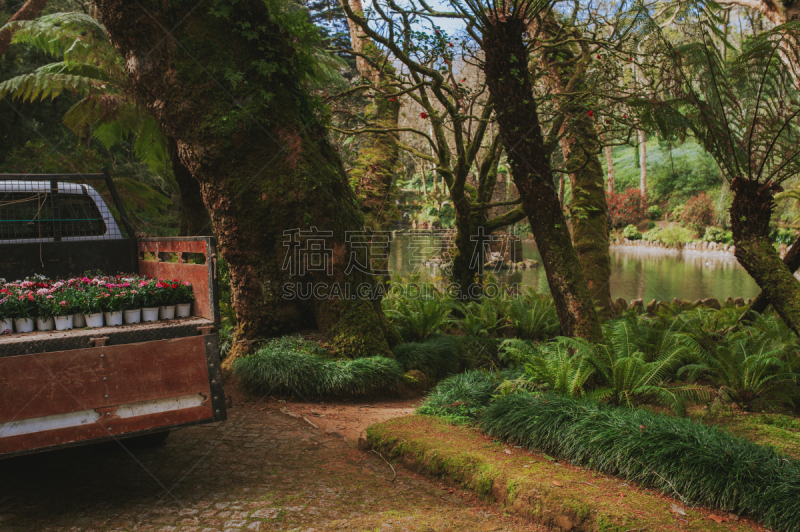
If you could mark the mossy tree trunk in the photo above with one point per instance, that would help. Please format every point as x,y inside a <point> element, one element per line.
<point>580,146</point>
<point>194,215</point>
<point>511,89</point>
<point>372,175</point>
<point>761,302</point>
<point>224,84</point>
<point>751,211</point>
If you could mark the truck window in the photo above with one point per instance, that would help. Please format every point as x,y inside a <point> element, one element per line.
<point>31,215</point>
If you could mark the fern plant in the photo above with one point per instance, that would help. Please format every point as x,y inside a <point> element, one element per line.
<point>420,318</point>
<point>625,374</point>
<point>553,366</point>
<point>533,317</point>
<point>749,365</point>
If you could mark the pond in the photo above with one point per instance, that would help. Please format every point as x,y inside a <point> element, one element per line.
<point>635,272</point>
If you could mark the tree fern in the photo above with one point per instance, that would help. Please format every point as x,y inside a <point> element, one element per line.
<point>92,68</point>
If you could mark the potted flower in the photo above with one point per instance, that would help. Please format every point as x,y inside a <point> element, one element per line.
<point>149,299</point>
<point>65,317</point>
<point>90,307</point>
<point>47,308</point>
<point>167,291</point>
<point>24,310</point>
<point>132,304</point>
<point>183,299</point>
<point>112,302</point>
<point>6,312</point>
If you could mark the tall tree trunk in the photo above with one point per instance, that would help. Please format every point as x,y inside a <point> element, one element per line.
<point>609,151</point>
<point>194,215</point>
<point>588,209</point>
<point>751,211</point>
<point>580,146</point>
<point>372,175</point>
<point>29,11</point>
<point>511,89</point>
<point>642,164</point>
<point>761,302</point>
<point>262,158</point>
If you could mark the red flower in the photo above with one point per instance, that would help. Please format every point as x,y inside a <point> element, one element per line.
<point>590,113</point>
<point>598,56</point>
<point>624,116</point>
<point>608,121</point>
<point>423,115</point>
<point>174,286</point>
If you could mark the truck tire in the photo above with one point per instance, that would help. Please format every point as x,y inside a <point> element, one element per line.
<point>148,440</point>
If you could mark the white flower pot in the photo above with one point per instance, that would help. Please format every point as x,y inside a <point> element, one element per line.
<point>113,318</point>
<point>133,315</point>
<point>45,324</point>
<point>94,320</point>
<point>24,325</point>
<point>64,322</point>
<point>78,321</point>
<point>150,314</point>
<point>182,310</point>
<point>6,325</point>
<point>167,312</point>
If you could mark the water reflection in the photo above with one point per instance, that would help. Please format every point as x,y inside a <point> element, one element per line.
<point>635,273</point>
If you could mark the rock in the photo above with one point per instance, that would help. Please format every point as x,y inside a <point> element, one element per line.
<point>637,305</point>
<point>725,247</point>
<point>651,307</point>
<point>738,302</point>
<point>620,305</point>
<point>676,301</point>
<point>728,303</point>
<point>711,302</point>
<point>698,303</point>
<point>749,301</point>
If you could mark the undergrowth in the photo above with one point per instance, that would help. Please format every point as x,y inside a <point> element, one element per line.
<point>693,462</point>
<point>289,366</point>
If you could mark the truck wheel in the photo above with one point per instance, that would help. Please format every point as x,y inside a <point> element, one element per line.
<point>148,440</point>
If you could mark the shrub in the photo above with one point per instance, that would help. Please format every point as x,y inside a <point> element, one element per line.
<point>699,463</point>
<point>653,235</point>
<point>436,357</point>
<point>654,212</point>
<point>698,213</point>
<point>784,235</point>
<point>675,234</point>
<point>714,234</point>
<point>626,208</point>
<point>631,232</point>
<point>287,366</point>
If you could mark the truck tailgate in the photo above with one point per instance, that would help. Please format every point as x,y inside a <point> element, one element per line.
<point>56,399</point>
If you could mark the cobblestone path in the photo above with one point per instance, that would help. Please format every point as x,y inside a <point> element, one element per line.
<point>260,470</point>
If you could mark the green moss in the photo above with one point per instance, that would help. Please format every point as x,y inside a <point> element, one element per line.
<point>528,484</point>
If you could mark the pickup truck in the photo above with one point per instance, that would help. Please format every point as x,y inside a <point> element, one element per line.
<point>80,386</point>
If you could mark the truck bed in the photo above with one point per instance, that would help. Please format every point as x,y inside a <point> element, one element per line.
<point>50,341</point>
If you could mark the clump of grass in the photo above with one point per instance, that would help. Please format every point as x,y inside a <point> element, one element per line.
<point>436,357</point>
<point>287,366</point>
<point>460,398</point>
<point>694,462</point>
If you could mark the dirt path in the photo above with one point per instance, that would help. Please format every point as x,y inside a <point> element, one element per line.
<point>260,470</point>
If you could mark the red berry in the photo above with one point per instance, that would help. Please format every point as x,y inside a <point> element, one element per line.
<point>590,113</point>
<point>423,115</point>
